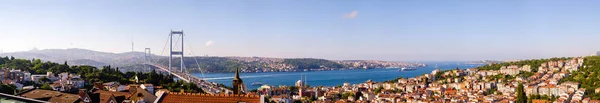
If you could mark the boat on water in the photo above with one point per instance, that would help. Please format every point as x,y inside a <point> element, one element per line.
<point>391,67</point>
<point>407,69</point>
<point>257,84</point>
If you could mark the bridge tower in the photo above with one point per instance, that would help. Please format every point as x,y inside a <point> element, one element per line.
<point>147,55</point>
<point>180,34</point>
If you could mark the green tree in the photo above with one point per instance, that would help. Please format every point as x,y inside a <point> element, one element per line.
<point>345,95</point>
<point>46,86</point>
<point>7,89</point>
<point>521,97</point>
<point>378,89</point>
<point>44,80</point>
<point>293,89</point>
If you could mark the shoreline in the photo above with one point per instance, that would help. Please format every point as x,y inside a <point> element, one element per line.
<point>309,70</point>
<point>325,78</point>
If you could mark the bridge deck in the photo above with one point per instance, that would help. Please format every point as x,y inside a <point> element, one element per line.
<point>208,87</point>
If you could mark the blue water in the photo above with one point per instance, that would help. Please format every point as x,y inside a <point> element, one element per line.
<point>328,78</point>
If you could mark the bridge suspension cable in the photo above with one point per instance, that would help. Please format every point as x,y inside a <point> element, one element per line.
<point>157,60</point>
<point>177,42</point>
<point>163,50</point>
<point>184,74</point>
<point>199,68</point>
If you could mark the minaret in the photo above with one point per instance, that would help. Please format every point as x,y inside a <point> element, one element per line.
<point>237,82</point>
<point>304,80</point>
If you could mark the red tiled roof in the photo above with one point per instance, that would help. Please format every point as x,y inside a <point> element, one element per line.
<point>107,95</point>
<point>208,98</point>
<point>51,96</point>
<point>540,101</point>
<point>103,92</point>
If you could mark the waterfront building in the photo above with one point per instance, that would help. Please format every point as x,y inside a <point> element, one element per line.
<point>300,83</point>
<point>265,90</point>
<point>435,71</point>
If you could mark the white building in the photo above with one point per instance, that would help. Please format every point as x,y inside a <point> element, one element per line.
<point>526,68</point>
<point>530,90</point>
<point>63,76</point>
<point>76,82</point>
<point>26,76</point>
<point>435,71</point>
<point>36,78</point>
<point>148,87</point>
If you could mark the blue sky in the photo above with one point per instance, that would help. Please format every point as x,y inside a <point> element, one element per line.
<point>399,30</point>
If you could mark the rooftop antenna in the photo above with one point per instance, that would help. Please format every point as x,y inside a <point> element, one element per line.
<point>69,52</point>
<point>131,43</point>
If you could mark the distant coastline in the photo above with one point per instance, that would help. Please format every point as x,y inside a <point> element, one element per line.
<point>309,70</point>
<point>328,77</point>
<point>133,61</point>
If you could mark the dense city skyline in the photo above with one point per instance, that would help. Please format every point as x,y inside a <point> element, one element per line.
<point>391,30</point>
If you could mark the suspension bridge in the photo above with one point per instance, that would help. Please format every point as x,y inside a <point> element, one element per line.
<point>181,74</point>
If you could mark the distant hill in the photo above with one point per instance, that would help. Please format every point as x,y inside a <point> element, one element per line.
<point>133,61</point>
<point>87,62</point>
<point>263,64</point>
<point>81,57</point>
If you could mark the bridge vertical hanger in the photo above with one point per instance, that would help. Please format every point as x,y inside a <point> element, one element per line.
<point>179,33</point>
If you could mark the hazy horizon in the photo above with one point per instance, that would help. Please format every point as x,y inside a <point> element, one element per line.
<point>423,61</point>
<point>352,30</point>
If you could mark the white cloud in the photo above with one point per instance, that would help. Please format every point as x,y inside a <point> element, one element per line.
<point>350,15</point>
<point>209,43</point>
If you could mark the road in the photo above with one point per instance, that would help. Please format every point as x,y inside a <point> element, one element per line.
<point>208,87</point>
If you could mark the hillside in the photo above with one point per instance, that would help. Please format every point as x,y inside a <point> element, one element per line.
<point>588,76</point>
<point>89,75</point>
<point>260,64</point>
<point>80,57</point>
<point>132,61</point>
